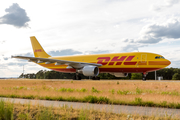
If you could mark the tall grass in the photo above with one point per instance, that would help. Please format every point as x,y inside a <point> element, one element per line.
<point>102,100</point>
<point>6,110</point>
<point>10,111</point>
<point>164,94</point>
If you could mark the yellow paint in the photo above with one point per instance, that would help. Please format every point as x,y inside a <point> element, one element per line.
<point>37,48</point>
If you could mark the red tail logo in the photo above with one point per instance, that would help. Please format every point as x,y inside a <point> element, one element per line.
<point>119,60</point>
<point>38,50</point>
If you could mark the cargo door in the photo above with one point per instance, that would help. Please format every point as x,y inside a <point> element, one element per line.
<point>143,58</point>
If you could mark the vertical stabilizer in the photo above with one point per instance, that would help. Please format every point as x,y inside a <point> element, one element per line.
<point>37,48</point>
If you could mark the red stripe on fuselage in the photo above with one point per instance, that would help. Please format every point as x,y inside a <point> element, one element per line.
<point>103,70</point>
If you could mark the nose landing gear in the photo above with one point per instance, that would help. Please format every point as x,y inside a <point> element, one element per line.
<point>144,74</point>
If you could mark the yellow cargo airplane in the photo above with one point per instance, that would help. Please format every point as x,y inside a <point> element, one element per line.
<point>118,64</point>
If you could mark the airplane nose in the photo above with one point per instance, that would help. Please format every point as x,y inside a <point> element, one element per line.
<point>168,62</point>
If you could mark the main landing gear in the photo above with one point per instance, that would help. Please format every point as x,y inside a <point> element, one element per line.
<point>144,76</point>
<point>77,76</point>
<point>95,78</point>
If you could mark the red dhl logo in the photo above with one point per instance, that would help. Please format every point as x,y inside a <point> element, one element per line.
<point>38,50</point>
<point>119,60</point>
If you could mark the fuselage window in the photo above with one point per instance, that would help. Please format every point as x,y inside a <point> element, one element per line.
<point>159,57</point>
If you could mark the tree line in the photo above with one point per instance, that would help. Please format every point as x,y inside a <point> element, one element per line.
<point>166,73</point>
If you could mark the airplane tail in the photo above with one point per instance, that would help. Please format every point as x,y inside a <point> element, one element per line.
<point>37,48</point>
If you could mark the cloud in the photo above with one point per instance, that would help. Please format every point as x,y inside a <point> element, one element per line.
<point>28,54</point>
<point>155,33</point>
<point>3,66</point>
<point>17,64</point>
<point>128,40</point>
<point>167,4</point>
<point>169,29</point>
<point>98,52</point>
<point>15,16</point>
<point>148,39</point>
<point>130,48</point>
<point>5,58</point>
<point>64,52</point>
<point>1,42</point>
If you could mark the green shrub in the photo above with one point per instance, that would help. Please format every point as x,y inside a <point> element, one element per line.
<point>138,100</point>
<point>63,90</point>
<point>66,90</point>
<point>149,104</point>
<point>138,91</point>
<point>117,82</point>
<point>103,100</point>
<point>122,92</point>
<point>94,90</point>
<point>22,87</point>
<point>91,99</point>
<point>94,99</point>
<point>112,91</point>
<point>136,76</point>
<point>70,90</point>
<point>163,104</point>
<point>170,93</point>
<point>81,90</point>
<point>176,76</point>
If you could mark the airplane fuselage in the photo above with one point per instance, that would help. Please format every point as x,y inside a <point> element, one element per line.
<point>132,62</point>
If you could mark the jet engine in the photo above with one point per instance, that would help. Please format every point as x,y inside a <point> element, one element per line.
<point>120,74</point>
<point>89,71</point>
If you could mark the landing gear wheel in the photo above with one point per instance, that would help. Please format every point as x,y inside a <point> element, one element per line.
<point>77,77</point>
<point>95,78</point>
<point>144,76</point>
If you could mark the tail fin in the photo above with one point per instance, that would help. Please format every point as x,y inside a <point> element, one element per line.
<point>37,48</point>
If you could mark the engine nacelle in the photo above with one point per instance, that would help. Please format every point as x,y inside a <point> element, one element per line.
<point>89,71</point>
<point>120,74</point>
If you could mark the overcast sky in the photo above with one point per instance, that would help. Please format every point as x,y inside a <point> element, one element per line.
<point>72,27</point>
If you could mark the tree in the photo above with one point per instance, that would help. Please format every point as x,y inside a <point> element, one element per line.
<point>167,73</point>
<point>176,76</point>
<point>136,76</point>
<point>40,74</point>
<point>21,76</point>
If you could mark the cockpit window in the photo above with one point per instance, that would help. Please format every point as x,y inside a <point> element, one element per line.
<point>159,57</point>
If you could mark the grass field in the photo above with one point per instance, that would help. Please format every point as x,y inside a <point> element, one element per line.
<point>149,93</point>
<point>10,111</point>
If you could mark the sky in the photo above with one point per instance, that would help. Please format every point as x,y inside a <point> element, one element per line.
<point>79,27</point>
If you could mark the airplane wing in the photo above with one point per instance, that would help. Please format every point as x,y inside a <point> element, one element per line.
<point>56,61</point>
